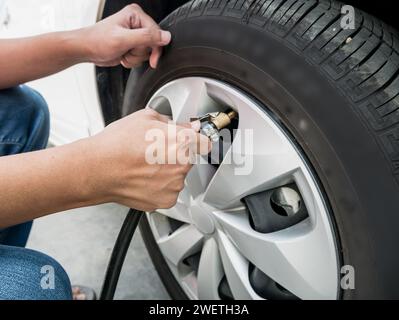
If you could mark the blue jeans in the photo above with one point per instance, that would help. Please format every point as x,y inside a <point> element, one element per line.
<point>26,274</point>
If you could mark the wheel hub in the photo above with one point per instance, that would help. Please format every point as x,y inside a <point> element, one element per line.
<point>202,220</point>
<point>262,234</point>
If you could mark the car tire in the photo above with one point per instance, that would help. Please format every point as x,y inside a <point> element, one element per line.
<point>336,92</point>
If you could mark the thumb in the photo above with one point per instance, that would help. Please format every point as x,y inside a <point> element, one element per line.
<point>195,125</point>
<point>146,37</point>
<point>203,145</point>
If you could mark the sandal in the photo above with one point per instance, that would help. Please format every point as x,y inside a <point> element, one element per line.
<point>83,293</point>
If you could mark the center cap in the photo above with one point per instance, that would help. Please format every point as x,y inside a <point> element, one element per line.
<point>202,220</point>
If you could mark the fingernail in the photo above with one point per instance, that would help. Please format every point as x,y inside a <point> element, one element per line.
<point>166,36</point>
<point>196,125</point>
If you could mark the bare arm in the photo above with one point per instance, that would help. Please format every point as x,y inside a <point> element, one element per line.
<point>128,37</point>
<point>26,59</point>
<point>109,167</point>
<point>37,183</point>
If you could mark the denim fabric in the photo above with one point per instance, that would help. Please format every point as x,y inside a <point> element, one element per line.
<point>24,127</point>
<point>30,275</point>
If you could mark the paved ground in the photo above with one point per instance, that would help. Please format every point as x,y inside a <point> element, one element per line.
<point>82,240</point>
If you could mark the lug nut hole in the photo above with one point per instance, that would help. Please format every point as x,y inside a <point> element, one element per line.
<point>286,201</point>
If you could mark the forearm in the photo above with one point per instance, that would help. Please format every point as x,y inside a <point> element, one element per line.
<point>126,37</point>
<point>27,59</point>
<point>43,182</point>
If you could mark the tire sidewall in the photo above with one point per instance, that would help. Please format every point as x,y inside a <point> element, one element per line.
<point>338,144</point>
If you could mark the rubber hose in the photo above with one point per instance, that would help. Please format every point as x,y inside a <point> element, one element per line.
<point>119,254</point>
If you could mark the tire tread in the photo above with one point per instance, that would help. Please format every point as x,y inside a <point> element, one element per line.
<point>363,63</point>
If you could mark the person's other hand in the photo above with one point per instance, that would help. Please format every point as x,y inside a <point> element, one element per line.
<point>125,170</point>
<point>128,37</point>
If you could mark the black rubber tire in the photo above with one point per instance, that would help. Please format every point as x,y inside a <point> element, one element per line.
<point>335,90</point>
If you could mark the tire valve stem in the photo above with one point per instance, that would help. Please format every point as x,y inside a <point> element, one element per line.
<point>213,123</point>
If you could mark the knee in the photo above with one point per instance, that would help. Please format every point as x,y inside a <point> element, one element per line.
<point>28,116</point>
<point>30,275</point>
<point>39,118</point>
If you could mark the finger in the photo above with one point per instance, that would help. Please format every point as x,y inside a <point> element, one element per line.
<point>195,125</point>
<point>130,60</point>
<point>158,116</point>
<point>155,56</point>
<point>148,22</point>
<point>140,51</point>
<point>145,20</point>
<point>138,55</point>
<point>202,146</point>
<point>184,138</point>
<point>184,125</point>
<point>196,142</point>
<point>146,37</point>
<point>164,118</point>
<point>133,11</point>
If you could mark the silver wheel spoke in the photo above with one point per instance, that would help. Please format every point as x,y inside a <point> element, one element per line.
<point>182,243</point>
<point>236,270</point>
<point>298,258</point>
<point>198,179</point>
<point>302,258</point>
<point>187,99</point>
<point>252,164</point>
<point>210,271</point>
<point>179,212</point>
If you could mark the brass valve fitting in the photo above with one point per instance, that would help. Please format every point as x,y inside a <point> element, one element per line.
<point>212,123</point>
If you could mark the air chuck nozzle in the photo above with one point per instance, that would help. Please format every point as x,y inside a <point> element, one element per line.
<point>222,120</point>
<point>212,123</point>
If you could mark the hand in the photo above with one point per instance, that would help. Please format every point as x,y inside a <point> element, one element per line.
<point>125,173</point>
<point>128,37</point>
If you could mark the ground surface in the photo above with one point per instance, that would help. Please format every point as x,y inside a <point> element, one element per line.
<point>82,240</point>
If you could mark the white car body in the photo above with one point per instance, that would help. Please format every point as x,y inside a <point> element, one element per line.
<point>72,94</point>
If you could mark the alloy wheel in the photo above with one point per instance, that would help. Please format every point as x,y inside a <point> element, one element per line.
<point>212,239</point>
